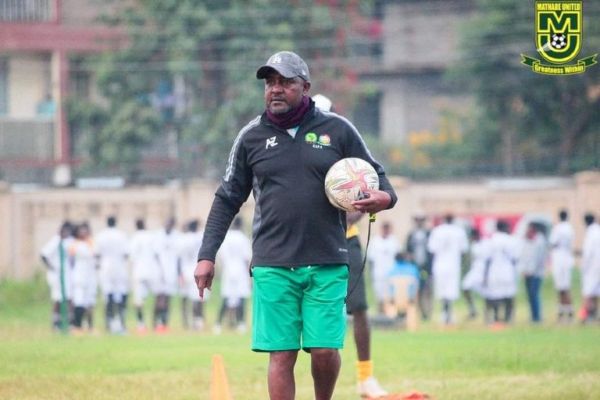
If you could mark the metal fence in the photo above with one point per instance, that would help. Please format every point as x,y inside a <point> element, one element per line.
<point>26,139</point>
<point>26,10</point>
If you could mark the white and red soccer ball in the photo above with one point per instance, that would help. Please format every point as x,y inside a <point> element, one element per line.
<point>348,180</point>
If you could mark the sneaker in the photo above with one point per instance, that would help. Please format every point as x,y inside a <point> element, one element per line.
<point>217,329</point>
<point>198,324</point>
<point>241,328</point>
<point>370,388</point>
<point>161,329</point>
<point>141,330</point>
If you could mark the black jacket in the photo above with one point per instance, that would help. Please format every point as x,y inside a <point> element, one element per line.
<point>294,223</point>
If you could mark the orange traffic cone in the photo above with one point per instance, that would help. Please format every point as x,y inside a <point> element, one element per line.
<point>219,388</point>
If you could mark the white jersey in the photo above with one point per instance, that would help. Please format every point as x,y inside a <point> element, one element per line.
<point>189,243</point>
<point>382,255</point>
<point>85,281</point>
<point>447,243</point>
<point>235,255</point>
<point>142,253</point>
<point>562,260</point>
<point>51,252</point>
<point>502,255</point>
<point>473,280</point>
<point>112,248</point>
<point>590,263</point>
<point>167,252</point>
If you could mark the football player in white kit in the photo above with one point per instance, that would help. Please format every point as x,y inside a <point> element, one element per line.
<point>51,254</point>
<point>562,261</point>
<point>447,242</point>
<point>190,242</point>
<point>112,250</point>
<point>590,269</point>
<point>85,282</point>
<point>382,255</point>
<point>145,269</point>
<point>167,250</point>
<point>500,277</point>
<point>235,255</point>
<point>473,280</point>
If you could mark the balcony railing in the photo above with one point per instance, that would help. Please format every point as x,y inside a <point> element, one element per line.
<point>26,10</point>
<point>27,139</point>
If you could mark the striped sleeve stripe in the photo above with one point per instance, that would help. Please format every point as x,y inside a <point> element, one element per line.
<point>230,169</point>
<point>358,135</point>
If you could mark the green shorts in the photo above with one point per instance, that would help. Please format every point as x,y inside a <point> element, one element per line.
<point>300,307</point>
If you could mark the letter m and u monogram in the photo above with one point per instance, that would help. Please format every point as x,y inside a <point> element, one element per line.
<point>558,30</point>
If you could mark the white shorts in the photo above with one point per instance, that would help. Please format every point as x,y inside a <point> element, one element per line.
<point>590,283</point>
<point>55,290</point>
<point>142,288</point>
<point>380,287</point>
<point>562,277</point>
<point>84,295</point>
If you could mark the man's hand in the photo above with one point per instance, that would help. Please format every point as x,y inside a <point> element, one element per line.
<point>376,201</point>
<point>203,275</point>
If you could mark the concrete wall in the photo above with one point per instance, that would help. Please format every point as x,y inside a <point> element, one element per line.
<point>423,33</point>
<point>30,218</point>
<point>420,43</point>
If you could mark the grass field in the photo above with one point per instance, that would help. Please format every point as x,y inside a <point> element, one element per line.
<point>467,362</point>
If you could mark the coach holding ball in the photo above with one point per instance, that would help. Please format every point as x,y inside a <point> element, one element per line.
<point>300,255</point>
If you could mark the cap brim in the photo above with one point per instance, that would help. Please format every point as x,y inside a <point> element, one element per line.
<point>265,70</point>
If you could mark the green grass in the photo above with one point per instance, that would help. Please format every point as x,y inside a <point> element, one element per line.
<point>468,362</point>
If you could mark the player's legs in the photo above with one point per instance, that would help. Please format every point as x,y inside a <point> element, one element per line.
<point>240,315</point>
<point>109,311</point>
<point>508,309</point>
<point>217,329</point>
<point>470,303</point>
<point>425,293</point>
<point>281,382</point>
<point>447,312</point>
<point>123,309</point>
<point>356,305</point>
<point>198,314</point>
<point>325,368</point>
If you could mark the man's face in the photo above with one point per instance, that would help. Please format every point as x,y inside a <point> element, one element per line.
<point>283,94</point>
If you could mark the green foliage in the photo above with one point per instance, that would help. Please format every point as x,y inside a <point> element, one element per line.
<point>528,121</point>
<point>202,55</point>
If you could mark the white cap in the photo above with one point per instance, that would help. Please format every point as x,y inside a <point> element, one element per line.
<point>322,102</point>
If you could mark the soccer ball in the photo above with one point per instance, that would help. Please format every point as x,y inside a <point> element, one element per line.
<point>347,180</point>
<point>559,40</point>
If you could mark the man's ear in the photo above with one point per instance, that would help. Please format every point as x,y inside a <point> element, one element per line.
<point>306,87</point>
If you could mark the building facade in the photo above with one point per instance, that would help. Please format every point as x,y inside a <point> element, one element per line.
<point>40,43</point>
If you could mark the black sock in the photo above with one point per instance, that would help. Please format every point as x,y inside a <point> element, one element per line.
<point>78,316</point>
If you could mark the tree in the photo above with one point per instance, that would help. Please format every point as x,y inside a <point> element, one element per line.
<point>526,115</point>
<point>192,62</point>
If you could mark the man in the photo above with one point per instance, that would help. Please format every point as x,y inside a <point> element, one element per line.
<point>145,269</point>
<point>590,269</point>
<point>58,273</point>
<point>112,251</point>
<point>83,261</point>
<point>532,263</point>
<point>416,249</point>
<point>382,255</point>
<point>447,242</point>
<point>500,276</point>
<point>300,256</point>
<point>356,300</point>
<point>167,255</point>
<point>235,255</point>
<point>561,242</point>
<point>192,307</point>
